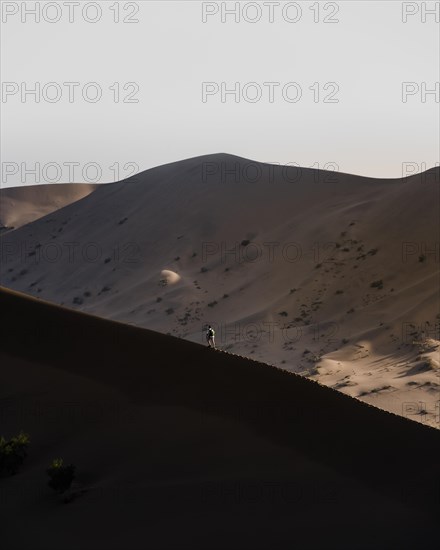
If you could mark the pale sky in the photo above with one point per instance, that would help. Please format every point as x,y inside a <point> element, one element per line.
<point>338,70</point>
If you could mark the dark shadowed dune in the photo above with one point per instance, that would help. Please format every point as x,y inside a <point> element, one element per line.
<point>223,451</point>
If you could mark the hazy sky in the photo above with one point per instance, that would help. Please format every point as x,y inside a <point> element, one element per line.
<point>135,98</point>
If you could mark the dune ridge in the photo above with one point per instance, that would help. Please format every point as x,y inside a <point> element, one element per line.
<point>198,426</point>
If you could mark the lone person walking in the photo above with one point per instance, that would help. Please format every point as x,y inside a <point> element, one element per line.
<point>210,337</point>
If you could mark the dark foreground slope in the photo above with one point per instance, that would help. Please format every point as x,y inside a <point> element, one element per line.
<point>178,446</point>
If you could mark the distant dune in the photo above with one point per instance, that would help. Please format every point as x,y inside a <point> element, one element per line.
<point>331,275</point>
<point>178,446</point>
<point>22,205</point>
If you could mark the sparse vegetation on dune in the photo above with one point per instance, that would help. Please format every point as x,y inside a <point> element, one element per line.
<point>377,284</point>
<point>13,452</point>
<point>60,475</point>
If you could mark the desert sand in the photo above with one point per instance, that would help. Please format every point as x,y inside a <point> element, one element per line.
<point>178,446</point>
<point>330,275</point>
<point>22,205</point>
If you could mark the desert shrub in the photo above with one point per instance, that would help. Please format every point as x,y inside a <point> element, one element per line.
<point>339,292</point>
<point>169,311</point>
<point>377,284</point>
<point>203,269</point>
<point>13,453</point>
<point>61,476</point>
<point>283,313</point>
<point>245,242</point>
<point>422,258</point>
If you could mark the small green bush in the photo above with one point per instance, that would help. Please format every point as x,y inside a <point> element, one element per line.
<point>13,453</point>
<point>61,476</point>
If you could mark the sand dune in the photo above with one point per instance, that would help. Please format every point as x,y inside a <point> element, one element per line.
<point>178,446</point>
<point>331,275</point>
<point>22,205</point>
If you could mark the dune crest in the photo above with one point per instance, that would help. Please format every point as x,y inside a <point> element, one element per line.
<point>170,435</point>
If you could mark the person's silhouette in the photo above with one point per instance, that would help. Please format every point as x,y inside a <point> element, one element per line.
<point>210,336</point>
